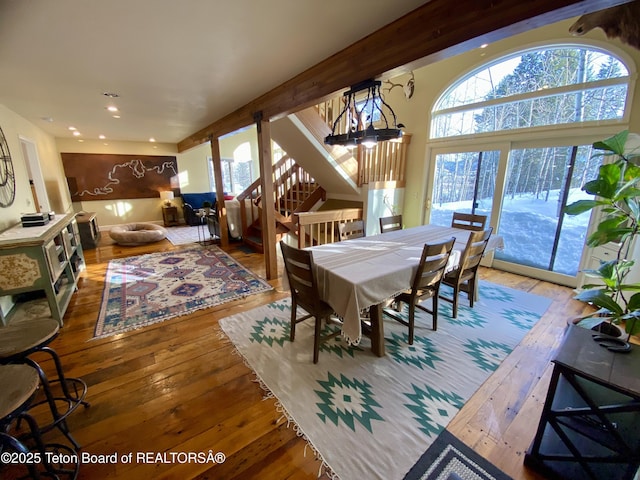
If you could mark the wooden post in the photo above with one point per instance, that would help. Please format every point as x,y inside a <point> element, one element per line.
<point>268,217</point>
<point>217,175</point>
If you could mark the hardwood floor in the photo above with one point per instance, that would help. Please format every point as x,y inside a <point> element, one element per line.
<point>178,386</point>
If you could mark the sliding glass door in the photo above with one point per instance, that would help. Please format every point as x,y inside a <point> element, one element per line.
<point>463,182</point>
<point>523,192</point>
<point>539,183</point>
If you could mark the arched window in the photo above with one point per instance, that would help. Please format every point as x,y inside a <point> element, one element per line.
<point>557,85</point>
<point>512,140</point>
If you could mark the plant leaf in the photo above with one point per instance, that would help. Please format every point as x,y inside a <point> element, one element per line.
<point>600,299</point>
<point>634,207</point>
<point>581,206</point>
<point>634,302</point>
<point>632,323</point>
<point>614,144</point>
<point>601,187</point>
<point>626,192</point>
<point>601,237</point>
<point>611,223</point>
<point>632,173</point>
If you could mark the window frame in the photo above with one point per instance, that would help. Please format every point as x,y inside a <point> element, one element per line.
<point>568,134</point>
<point>622,57</point>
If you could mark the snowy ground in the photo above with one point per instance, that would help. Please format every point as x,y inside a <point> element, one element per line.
<point>528,226</point>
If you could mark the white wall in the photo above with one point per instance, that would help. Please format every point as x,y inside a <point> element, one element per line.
<point>194,160</point>
<point>13,127</point>
<point>382,202</point>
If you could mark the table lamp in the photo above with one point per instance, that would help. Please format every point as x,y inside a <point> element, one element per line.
<point>166,196</point>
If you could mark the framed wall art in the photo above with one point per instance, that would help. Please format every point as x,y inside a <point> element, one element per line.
<point>93,176</point>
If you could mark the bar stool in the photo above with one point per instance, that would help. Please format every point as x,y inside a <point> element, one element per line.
<point>20,386</point>
<point>11,444</point>
<point>21,339</point>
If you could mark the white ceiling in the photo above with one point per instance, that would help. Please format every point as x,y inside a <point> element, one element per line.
<point>178,65</point>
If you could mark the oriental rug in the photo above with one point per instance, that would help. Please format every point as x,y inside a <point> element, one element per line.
<point>151,288</point>
<point>370,417</point>
<point>185,235</point>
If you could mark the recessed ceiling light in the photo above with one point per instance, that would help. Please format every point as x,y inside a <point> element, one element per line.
<point>110,94</point>
<point>152,139</point>
<point>76,133</point>
<point>73,129</point>
<point>116,116</point>
<point>484,45</point>
<point>112,108</point>
<point>101,137</point>
<point>80,140</point>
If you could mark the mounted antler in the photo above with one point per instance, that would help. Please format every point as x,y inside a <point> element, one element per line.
<point>621,22</point>
<point>407,89</point>
<point>393,85</point>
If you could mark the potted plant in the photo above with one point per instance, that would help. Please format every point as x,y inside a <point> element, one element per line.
<point>617,194</point>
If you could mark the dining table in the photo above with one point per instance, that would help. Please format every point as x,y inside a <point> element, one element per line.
<point>365,273</point>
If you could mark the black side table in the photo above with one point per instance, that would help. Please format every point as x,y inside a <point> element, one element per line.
<point>590,423</point>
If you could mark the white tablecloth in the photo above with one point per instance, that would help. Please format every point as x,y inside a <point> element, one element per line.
<point>356,274</point>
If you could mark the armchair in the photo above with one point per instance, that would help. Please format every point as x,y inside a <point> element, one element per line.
<point>194,202</point>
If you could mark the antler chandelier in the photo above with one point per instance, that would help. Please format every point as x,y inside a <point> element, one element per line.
<point>360,115</point>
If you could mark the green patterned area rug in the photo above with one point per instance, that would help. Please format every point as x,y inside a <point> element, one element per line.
<point>147,289</point>
<point>369,417</point>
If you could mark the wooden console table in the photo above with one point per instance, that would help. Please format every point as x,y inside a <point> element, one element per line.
<point>47,258</point>
<point>591,417</point>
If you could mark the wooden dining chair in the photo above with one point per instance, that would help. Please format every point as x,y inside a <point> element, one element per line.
<point>468,221</point>
<point>349,230</point>
<point>464,277</point>
<point>426,284</point>
<point>389,224</point>
<point>304,293</point>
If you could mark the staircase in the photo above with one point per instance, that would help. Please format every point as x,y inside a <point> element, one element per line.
<point>302,183</point>
<point>295,191</point>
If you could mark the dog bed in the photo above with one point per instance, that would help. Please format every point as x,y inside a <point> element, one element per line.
<point>137,233</point>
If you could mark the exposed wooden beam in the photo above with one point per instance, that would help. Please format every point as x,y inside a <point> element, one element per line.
<point>268,217</point>
<point>432,32</point>
<point>217,175</point>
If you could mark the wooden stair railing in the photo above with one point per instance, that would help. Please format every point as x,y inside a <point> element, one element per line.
<point>384,163</point>
<point>294,190</point>
<point>318,228</point>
